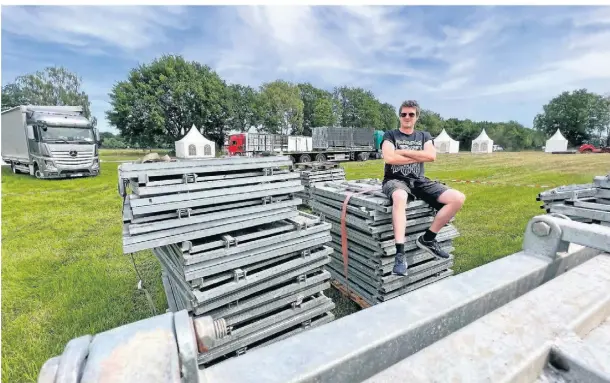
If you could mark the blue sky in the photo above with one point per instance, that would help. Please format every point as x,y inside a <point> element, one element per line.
<point>482,63</point>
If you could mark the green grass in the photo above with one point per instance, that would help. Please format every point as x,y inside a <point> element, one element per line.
<point>128,154</point>
<point>64,274</point>
<point>131,152</point>
<point>63,271</point>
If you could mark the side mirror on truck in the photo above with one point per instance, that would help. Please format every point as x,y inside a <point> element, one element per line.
<point>30,130</point>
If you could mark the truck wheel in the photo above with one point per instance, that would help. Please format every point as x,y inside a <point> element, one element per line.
<point>320,157</point>
<point>305,158</point>
<point>13,168</point>
<point>37,172</point>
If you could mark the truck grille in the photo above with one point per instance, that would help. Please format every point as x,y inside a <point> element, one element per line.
<point>83,158</point>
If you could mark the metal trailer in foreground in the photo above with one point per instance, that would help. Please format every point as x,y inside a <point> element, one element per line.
<point>50,141</point>
<point>539,315</point>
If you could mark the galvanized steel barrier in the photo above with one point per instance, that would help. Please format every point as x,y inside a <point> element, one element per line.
<point>370,241</point>
<point>588,203</point>
<point>232,245</point>
<point>313,173</point>
<point>541,314</point>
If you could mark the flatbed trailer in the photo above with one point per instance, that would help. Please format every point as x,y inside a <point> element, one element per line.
<point>325,144</point>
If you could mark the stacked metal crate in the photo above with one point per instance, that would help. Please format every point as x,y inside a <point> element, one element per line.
<point>316,172</point>
<point>558,196</point>
<point>370,240</point>
<point>588,203</point>
<point>232,245</point>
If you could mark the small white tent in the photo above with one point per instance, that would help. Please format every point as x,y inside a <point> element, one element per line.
<point>557,143</point>
<point>482,144</point>
<point>195,145</point>
<point>445,144</point>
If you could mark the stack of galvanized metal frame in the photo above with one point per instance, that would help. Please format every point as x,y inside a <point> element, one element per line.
<point>588,203</point>
<point>558,196</point>
<point>370,240</point>
<point>232,245</point>
<point>316,172</point>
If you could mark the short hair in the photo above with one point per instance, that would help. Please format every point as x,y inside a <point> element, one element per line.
<point>410,104</point>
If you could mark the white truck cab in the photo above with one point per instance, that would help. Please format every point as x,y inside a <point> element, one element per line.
<point>50,141</point>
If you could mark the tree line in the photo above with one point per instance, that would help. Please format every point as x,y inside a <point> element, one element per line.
<point>160,100</point>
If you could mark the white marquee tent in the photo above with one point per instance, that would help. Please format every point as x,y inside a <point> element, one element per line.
<point>482,144</point>
<point>195,145</point>
<point>445,144</point>
<point>557,143</point>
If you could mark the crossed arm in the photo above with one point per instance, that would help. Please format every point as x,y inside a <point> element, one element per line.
<point>395,156</point>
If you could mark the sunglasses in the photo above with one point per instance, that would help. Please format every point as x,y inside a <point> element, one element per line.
<point>411,114</point>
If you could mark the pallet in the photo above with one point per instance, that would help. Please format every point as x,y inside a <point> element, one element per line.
<point>351,296</point>
<point>316,165</point>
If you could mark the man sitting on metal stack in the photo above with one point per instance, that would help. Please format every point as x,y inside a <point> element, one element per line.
<point>404,151</point>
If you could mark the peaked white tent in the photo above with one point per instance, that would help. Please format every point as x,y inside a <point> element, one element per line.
<point>557,143</point>
<point>482,144</point>
<point>445,144</point>
<point>195,145</point>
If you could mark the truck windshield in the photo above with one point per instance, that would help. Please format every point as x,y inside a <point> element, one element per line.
<point>67,134</point>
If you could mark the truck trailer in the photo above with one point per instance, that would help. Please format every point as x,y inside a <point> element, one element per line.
<point>325,144</point>
<point>50,141</point>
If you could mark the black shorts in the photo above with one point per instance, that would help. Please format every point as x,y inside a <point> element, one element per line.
<point>421,188</point>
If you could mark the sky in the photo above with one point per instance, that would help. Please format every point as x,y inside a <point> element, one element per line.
<point>483,63</point>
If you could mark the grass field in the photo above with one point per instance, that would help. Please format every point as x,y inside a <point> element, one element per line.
<point>64,274</point>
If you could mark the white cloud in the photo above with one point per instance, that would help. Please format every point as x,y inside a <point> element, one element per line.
<point>127,28</point>
<point>486,55</point>
<point>599,16</point>
<point>569,60</point>
<point>273,37</point>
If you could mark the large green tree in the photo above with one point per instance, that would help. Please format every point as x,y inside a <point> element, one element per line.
<point>164,98</point>
<point>359,107</point>
<point>282,107</point>
<point>245,107</point>
<point>388,115</point>
<point>309,96</point>
<point>55,86</point>
<point>320,108</point>
<point>430,121</point>
<point>579,115</point>
<point>323,113</point>
<point>607,132</point>
<point>110,141</point>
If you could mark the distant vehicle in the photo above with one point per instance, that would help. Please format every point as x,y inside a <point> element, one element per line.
<point>497,148</point>
<point>325,144</point>
<point>590,148</point>
<point>50,141</point>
